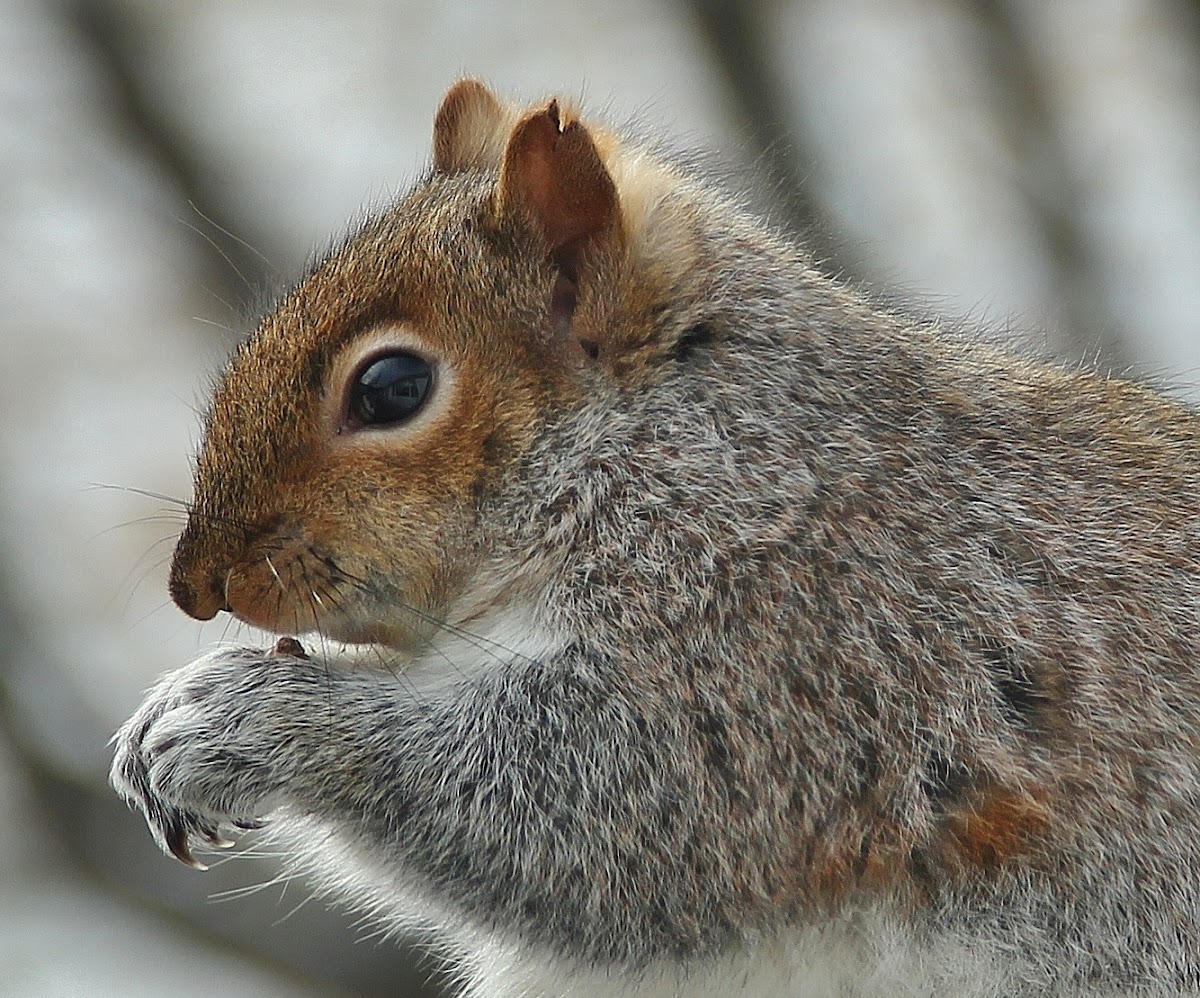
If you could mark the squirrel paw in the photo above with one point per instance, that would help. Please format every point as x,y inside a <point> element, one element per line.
<point>201,754</point>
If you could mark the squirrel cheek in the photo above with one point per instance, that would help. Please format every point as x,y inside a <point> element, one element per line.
<point>277,590</point>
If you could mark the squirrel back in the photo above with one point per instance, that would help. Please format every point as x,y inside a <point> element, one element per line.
<point>732,607</point>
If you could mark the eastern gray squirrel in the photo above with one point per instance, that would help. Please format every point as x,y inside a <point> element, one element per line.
<point>734,634</point>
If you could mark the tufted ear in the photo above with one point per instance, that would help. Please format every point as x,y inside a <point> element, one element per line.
<point>469,129</point>
<point>553,176</point>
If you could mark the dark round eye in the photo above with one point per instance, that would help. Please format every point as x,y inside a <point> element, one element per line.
<point>389,389</point>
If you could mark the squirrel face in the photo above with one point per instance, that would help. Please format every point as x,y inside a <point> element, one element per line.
<point>352,438</point>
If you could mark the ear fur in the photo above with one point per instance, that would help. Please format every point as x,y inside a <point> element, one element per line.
<point>470,129</point>
<point>588,195</point>
<point>553,175</point>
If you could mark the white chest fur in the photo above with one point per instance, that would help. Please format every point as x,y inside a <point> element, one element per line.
<point>870,959</point>
<point>454,654</point>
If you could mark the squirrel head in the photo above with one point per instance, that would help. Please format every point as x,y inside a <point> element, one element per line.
<point>355,436</point>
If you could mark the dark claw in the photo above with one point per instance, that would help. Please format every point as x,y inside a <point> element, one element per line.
<point>175,837</point>
<point>215,839</point>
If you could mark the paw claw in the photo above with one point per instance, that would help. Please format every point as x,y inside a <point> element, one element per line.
<point>192,756</point>
<point>175,838</point>
<point>219,841</point>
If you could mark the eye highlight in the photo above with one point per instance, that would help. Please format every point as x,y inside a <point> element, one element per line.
<point>389,390</point>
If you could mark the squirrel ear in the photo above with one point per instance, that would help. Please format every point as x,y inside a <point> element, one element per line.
<point>469,129</point>
<point>553,175</point>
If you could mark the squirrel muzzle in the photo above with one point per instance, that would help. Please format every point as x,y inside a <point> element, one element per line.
<point>197,593</point>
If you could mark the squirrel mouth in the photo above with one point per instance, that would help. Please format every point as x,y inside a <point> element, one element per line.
<point>364,634</point>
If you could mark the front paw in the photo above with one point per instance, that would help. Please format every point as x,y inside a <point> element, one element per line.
<point>202,753</point>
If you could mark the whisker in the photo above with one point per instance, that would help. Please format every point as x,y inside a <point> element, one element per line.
<point>317,602</point>
<point>389,664</point>
<point>295,610</point>
<point>191,510</point>
<point>142,570</point>
<point>220,251</point>
<point>399,674</point>
<point>223,302</point>
<point>161,497</point>
<point>213,322</point>
<point>230,621</point>
<point>274,571</point>
<point>478,641</point>
<point>236,238</point>
<point>166,516</point>
<point>443,654</point>
<point>164,604</point>
<point>313,602</point>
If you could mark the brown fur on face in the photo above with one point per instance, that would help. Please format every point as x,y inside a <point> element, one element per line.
<point>355,514</point>
<point>508,276</point>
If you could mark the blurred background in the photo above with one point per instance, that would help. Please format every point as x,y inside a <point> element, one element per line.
<point>1031,167</point>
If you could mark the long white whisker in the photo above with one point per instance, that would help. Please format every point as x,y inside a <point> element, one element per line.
<point>274,572</point>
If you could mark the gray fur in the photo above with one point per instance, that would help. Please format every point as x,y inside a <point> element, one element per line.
<point>815,584</point>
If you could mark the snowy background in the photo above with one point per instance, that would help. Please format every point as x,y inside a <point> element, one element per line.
<point>1027,165</point>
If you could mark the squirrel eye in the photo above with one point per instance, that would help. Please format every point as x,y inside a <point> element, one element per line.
<point>389,389</point>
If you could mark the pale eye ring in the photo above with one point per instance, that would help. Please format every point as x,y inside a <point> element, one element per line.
<point>389,389</point>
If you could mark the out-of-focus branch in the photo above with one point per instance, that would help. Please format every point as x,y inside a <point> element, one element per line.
<point>1049,187</point>
<point>736,35</point>
<point>243,273</point>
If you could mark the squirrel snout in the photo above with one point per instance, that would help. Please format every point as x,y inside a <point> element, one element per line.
<point>203,602</point>
<point>198,593</point>
<point>272,580</point>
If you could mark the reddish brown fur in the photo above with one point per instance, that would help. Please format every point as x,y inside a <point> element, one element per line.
<point>1001,826</point>
<point>553,172</point>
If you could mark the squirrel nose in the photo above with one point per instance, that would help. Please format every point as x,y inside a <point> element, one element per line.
<point>197,592</point>
<point>204,603</point>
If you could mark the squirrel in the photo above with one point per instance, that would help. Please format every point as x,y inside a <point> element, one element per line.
<point>722,631</point>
